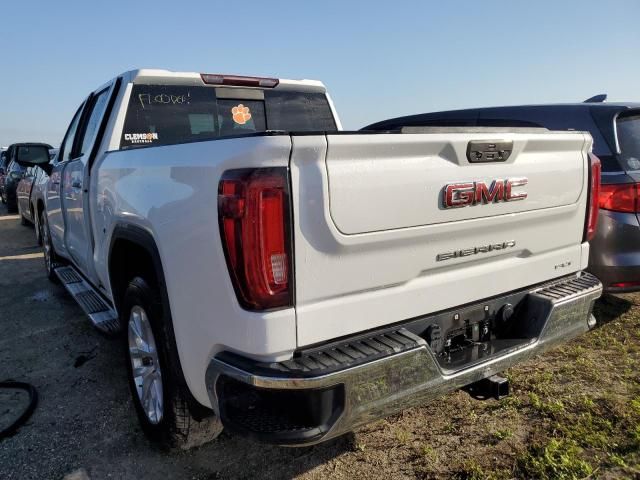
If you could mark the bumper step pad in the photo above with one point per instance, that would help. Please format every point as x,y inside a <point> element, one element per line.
<point>101,314</point>
<point>566,290</point>
<point>333,357</point>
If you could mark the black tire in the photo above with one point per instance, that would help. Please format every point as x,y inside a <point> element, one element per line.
<point>50,257</point>
<point>183,422</point>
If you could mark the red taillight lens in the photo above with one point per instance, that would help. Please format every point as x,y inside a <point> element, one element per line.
<point>620,197</point>
<point>254,214</point>
<point>594,195</point>
<point>625,284</point>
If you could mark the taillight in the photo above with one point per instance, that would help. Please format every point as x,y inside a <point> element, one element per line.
<point>594,195</point>
<point>238,81</point>
<point>620,197</point>
<point>254,216</point>
<point>625,285</point>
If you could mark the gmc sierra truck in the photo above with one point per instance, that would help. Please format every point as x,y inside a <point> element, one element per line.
<point>290,281</point>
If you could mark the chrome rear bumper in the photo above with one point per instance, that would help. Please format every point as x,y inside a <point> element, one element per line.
<point>409,376</point>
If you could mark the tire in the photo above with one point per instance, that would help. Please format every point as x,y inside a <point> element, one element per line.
<point>167,412</point>
<point>50,257</point>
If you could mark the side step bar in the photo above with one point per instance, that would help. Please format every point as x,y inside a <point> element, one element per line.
<point>101,314</point>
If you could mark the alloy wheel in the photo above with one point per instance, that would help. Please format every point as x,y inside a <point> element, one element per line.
<point>145,367</point>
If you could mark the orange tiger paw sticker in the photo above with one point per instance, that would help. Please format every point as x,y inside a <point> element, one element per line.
<point>241,114</point>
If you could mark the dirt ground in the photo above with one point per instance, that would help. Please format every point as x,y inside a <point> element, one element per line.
<point>574,412</point>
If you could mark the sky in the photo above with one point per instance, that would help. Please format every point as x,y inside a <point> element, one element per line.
<point>377,59</point>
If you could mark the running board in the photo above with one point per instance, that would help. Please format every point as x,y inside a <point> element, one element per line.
<point>103,317</point>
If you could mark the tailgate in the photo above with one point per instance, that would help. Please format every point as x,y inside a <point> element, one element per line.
<point>378,240</point>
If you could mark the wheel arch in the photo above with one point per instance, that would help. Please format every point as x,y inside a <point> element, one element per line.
<point>133,251</point>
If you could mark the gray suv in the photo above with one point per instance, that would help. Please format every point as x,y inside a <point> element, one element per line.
<point>615,128</point>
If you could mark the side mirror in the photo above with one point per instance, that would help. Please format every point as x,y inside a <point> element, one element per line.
<point>34,156</point>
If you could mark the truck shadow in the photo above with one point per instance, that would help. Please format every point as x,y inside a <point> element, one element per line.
<point>234,457</point>
<point>609,307</point>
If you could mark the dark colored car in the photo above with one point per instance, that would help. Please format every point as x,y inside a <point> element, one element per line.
<point>3,170</point>
<point>14,172</point>
<point>615,128</point>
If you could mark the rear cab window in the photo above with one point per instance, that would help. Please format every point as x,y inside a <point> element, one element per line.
<point>172,114</point>
<point>628,134</point>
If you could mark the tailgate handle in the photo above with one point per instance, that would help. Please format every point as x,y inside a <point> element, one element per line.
<point>481,151</point>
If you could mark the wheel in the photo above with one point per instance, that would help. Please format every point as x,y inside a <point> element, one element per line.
<point>168,413</point>
<point>50,257</point>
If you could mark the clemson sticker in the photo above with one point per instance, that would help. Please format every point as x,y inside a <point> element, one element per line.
<point>241,114</point>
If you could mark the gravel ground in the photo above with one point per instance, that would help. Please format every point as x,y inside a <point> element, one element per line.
<point>85,426</point>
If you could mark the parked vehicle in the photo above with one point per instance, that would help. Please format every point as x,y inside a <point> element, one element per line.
<point>3,172</point>
<point>289,281</point>
<point>23,193</point>
<point>15,171</point>
<point>615,127</point>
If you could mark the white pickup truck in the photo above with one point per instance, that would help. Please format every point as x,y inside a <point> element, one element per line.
<point>291,281</point>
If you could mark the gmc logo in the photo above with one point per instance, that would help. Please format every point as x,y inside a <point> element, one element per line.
<point>458,195</point>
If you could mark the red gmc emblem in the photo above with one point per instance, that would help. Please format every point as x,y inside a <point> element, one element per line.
<point>458,195</point>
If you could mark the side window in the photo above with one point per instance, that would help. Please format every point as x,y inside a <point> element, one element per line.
<point>66,149</point>
<point>98,106</point>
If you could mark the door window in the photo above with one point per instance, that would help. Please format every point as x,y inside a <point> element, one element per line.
<point>98,106</point>
<point>66,149</point>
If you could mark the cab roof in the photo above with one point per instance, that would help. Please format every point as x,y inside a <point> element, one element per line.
<point>161,77</point>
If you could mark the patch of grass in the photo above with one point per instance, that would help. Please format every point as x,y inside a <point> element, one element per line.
<point>552,408</point>
<point>511,403</point>
<point>502,434</point>
<point>471,470</point>
<point>559,458</point>
<point>429,454</point>
<point>617,461</point>
<point>359,446</point>
<point>403,436</point>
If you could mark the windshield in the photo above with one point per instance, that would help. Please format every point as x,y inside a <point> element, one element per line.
<point>628,130</point>
<point>170,114</point>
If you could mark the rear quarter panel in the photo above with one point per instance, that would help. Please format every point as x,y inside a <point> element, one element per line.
<point>171,192</point>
